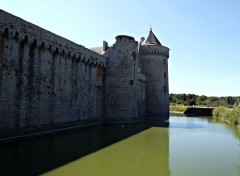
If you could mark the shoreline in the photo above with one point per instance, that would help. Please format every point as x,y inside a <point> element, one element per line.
<point>230,116</point>
<point>191,110</point>
<point>176,112</point>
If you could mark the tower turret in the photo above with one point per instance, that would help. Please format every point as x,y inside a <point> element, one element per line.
<point>120,97</point>
<point>154,64</point>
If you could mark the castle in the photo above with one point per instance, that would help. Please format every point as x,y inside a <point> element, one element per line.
<point>48,83</point>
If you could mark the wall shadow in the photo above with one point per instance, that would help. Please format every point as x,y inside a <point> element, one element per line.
<point>33,156</point>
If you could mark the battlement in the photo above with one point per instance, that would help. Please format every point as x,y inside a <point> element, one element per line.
<point>12,27</point>
<point>155,50</point>
<point>125,38</point>
<point>120,37</point>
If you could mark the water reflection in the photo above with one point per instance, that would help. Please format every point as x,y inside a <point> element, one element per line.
<point>235,130</point>
<point>190,146</point>
<point>41,154</point>
<point>212,150</point>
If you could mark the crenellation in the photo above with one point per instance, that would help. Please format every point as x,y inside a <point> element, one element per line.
<point>24,31</point>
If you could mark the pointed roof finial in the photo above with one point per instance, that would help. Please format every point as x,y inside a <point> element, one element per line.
<point>151,39</point>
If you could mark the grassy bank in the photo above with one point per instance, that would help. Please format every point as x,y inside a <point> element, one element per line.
<point>190,110</point>
<point>176,108</point>
<point>231,115</point>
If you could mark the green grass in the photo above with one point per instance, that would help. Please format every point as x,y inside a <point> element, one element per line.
<point>178,108</point>
<point>231,115</point>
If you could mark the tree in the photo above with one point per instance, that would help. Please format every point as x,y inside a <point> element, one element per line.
<point>200,99</point>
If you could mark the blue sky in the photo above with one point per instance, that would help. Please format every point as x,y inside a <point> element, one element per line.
<point>203,35</point>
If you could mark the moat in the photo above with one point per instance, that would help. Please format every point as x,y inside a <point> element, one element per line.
<point>181,147</point>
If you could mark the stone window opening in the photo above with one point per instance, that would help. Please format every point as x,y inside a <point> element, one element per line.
<point>6,32</point>
<point>131,82</point>
<point>165,89</point>
<point>133,56</point>
<point>99,77</point>
<point>164,61</point>
<point>165,75</point>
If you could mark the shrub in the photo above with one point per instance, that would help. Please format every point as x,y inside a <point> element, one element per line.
<point>231,115</point>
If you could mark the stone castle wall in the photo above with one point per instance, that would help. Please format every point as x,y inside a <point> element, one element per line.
<point>121,81</point>
<point>142,94</point>
<point>46,82</point>
<point>154,60</point>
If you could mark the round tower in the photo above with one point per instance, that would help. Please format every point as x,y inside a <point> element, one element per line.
<point>154,64</point>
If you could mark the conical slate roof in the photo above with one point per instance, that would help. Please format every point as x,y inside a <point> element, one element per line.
<point>151,39</point>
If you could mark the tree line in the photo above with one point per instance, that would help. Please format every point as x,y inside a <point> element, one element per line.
<point>202,100</point>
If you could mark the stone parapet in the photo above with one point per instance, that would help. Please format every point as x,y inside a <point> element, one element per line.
<point>27,33</point>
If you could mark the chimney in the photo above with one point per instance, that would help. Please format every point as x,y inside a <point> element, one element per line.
<point>105,45</point>
<point>142,39</point>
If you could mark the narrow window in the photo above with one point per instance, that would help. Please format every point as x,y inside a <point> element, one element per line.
<point>133,56</point>
<point>164,61</point>
<point>165,75</point>
<point>99,77</point>
<point>165,89</point>
<point>6,32</point>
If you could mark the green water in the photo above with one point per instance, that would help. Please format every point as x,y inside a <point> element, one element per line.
<point>198,146</point>
<point>189,147</point>
<point>142,154</point>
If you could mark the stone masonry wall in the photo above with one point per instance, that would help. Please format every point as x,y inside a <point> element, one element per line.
<point>154,59</point>
<point>121,81</point>
<point>46,82</point>
<point>142,94</point>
